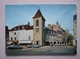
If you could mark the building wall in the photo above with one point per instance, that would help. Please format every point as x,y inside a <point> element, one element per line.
<point>24,36</point>
<point>38,36</point>
<point>63,37</point>
<point>75,30</point>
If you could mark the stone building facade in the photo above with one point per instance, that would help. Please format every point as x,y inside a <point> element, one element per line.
<point>38,28</point>
<point>75,29</point>
<point>61,37</point>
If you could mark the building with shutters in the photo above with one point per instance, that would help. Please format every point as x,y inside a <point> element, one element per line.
<point>22,33</point>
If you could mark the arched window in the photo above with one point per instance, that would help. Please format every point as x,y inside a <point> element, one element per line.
<point>37,22</point>
<point>54,42</point>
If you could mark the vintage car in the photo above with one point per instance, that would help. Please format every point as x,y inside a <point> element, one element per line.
<point>14,47</point>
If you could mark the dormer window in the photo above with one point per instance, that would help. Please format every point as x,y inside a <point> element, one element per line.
<point>37,22</point>
<point>22,27</point>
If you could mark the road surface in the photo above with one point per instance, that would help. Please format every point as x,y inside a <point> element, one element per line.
<point>44,50</point>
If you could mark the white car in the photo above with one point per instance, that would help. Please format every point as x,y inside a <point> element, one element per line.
<point>14,47</point>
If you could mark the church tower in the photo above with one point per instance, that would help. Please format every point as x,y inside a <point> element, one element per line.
<point>38,28</point>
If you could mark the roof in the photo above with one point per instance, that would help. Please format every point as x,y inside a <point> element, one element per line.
<point>49,30</point>
<point>21,27</point>
<point>62,29</point>
<point>38,14</point>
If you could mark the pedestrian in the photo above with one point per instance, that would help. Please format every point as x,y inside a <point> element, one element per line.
<point>51,45</point>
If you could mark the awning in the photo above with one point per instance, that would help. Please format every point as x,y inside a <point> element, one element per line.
<point>9,43</point>
<point>25,41</point>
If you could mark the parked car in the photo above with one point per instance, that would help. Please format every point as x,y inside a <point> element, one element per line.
<point>36,46</point>
<point>14,47</point>
<point>9,43</point>
<point>29,46</point>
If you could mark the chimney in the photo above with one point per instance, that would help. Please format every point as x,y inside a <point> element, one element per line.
<point>28,23</point>
<point>22,26</point>
<point>49,26</point>
<point>57,24</point>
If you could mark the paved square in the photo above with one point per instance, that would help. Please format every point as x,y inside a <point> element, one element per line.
<point>63,50</point>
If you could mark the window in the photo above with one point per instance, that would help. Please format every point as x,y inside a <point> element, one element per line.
<point>15,38</point>
<point>37,22</point>
<point>37,29</point>
<point>14,33</point>
<point>59,32</point>
<point>11,38</point>
<point>29,37</point>
<point>54,42</point>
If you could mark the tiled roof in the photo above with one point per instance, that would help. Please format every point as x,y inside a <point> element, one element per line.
<point>22,27</point>
<point>38,14</point>
<point>62,29</point>
<point>47,29</point>
<point>50,32</point>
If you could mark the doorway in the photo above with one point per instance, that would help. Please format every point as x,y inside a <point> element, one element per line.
<point>37,42</point>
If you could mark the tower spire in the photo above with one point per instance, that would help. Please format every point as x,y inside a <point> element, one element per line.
<point>38,14</point>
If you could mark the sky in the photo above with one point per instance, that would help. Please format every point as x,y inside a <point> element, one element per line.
<point>21,14</point>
